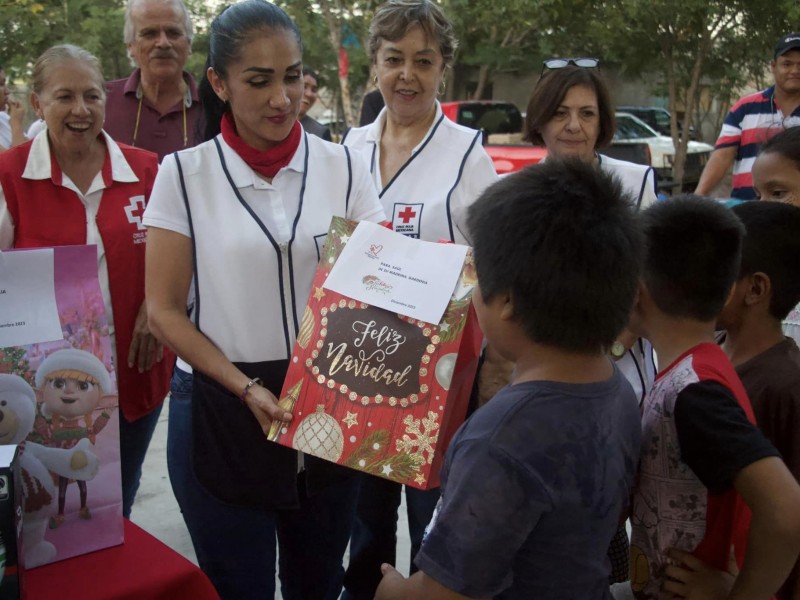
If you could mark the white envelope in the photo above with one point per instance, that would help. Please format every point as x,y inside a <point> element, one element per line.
<point>401,274</point>
<point>28,311</point>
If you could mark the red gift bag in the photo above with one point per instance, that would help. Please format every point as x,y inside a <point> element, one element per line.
<point>375,390</point>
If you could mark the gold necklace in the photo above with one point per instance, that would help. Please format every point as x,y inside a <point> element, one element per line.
<point>187,100</point>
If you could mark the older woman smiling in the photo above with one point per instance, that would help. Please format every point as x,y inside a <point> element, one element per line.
<point>427,170</point>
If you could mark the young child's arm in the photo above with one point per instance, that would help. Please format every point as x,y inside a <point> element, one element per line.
<point>773,543</point>
<point>773,496</point>
<point>396,587</point>
<point>689,577</point>
<point>725,449</point>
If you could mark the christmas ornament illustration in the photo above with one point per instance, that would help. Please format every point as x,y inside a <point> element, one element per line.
<point>306,328</point>
<point>319,434</point>
<point>286,403</point>
<point>444,369</point>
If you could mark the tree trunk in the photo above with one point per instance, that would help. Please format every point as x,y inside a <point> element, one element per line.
<point>672,89</point>
<point>484,71</point>
<point>690,102</point>
<point>483,78</point>
<point>349,118</point>
<point>335,38</point>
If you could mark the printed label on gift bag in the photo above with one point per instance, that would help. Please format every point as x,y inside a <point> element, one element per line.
<point>61,397</point>
<point>370,388</point>
<point>28,312</point>
<point>401,274</point>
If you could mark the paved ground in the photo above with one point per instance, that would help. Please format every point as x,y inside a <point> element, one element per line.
<point>157,512</point>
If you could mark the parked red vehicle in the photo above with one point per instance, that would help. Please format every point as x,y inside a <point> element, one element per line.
<point>501,123</point>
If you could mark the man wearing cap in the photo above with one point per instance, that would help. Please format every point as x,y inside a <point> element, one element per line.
<point>157,108</point>
<point>753,120</point>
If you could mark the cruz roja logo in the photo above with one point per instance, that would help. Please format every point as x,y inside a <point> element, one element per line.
<point>134,212</point>
<point>374,251</point>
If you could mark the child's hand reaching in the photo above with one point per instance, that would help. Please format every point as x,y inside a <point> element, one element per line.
<point>392,579</point>
<point>690,578</point>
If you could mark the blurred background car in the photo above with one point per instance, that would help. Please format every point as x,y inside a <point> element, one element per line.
<point>656,117</point>
<point>632,130</point>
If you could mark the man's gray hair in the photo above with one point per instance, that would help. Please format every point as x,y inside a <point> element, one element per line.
<point>129,34</point>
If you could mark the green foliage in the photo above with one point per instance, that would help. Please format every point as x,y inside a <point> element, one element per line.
<point>735,37</point>
<point>29,27</point>
<point>351,19</point>
<point>659,39</point>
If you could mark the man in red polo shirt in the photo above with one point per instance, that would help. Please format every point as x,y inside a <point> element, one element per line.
<point>157,107</point>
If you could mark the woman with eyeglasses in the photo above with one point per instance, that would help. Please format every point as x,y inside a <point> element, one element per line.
<point>427,170</point>
<point>571,114</point>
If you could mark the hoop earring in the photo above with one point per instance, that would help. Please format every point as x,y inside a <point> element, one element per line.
<point>442,87</point>
<point>375,80</point>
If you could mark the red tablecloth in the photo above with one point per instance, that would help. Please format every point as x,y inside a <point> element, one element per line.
<point>140,569</point>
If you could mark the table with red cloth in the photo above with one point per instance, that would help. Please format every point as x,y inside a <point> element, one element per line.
<point>142,568</point>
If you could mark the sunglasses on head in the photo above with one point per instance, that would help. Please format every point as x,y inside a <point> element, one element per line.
<point>560,63</point>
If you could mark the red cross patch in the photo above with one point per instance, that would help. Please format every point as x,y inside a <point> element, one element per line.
<point>406,219</point>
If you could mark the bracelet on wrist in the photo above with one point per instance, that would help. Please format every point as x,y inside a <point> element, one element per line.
<point>251,383</point>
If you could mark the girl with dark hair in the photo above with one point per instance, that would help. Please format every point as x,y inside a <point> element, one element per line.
<point>244,216</point>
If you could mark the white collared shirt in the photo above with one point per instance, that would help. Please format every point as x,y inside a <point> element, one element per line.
<point>429,196</point>
<point>38,167</point>
<point>252,292</point>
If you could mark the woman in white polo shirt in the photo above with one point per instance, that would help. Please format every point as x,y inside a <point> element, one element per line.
<point>244,216</point>
<point>428,170</point>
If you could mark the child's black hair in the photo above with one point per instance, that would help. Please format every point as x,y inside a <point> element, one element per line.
<point>693,250</point>
<point>562,239</point>
<point>772,246</point>
<point>786,143</point>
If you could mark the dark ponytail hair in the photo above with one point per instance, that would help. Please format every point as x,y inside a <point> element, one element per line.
<point>229,32</point>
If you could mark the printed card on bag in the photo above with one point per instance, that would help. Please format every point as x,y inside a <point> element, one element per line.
<point>61,395</point>
<point>379,390</point>
<point>401,274</point>
<point>28,299</point>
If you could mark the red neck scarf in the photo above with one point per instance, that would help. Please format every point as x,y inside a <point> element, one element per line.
<point>266,162</point>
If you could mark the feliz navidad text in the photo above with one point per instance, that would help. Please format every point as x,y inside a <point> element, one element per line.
<point>369,363</point>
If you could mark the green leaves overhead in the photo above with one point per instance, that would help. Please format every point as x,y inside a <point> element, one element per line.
<point>29,27</point>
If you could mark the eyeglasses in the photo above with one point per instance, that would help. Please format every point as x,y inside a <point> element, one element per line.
<point>560,63</point>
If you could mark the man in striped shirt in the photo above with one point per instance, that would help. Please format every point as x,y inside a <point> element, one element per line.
<point>754,119</point>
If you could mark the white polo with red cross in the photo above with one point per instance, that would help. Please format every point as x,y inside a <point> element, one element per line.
<point>429,195</point>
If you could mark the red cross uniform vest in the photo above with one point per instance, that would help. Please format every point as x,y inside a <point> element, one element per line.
<point>47,214</point>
